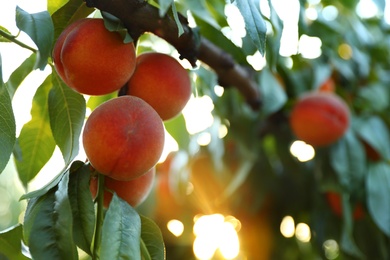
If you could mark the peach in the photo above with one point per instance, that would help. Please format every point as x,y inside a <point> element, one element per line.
<point>92,60</point>
<point>123,138</point>
<point>161,81</point>
<point>319,118</point>
<point>133,192</point>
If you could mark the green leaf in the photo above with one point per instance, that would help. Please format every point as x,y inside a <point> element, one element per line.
<point>347,159</point>
<point>20,74</point>
<point>39,27</point>
<point>199,8</point>
<point>374,97</point>
<point>67,113</point>
<point>164,6</point>
<point>378,194</point>
<point>121,232</point>
<point>152,238</point>
<point>177,20</point>
<point>94,101</point>
<point>7,123</point>
<point>375,132</point>
<point>11,243</point>
<point>46,188</point>
<point>72,11</point>
<point>82,205</point>
<point>254,22</point>
<point>49,225</point>
<point>176,127</point>
<point>54,5</point>
<point>36,141</point>
<point>274,97</point>
<point>2,38</point>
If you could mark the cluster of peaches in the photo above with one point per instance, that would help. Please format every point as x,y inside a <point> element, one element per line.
<point>123,138</point>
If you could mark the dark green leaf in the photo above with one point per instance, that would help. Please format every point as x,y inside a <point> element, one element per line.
<point>347,159</point>
<point>176,127</point>
<point>20,74</point>
<point>152,239</point>
<point>49,225</point>
<point>274,97</point>
<point>375,132</point>
<point>254,22</point>
<point>378,194</point>
<point>121,232</point>
<point>11,243</point>
<point>82,206</point>
<point>72,11</point>
<point>7,123</point>
<point>375,97</point>
<point>67,113</point>
<point>36,141</point>
<point>39,27</point>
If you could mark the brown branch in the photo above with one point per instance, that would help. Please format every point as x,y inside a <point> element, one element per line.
<point>139,17</point>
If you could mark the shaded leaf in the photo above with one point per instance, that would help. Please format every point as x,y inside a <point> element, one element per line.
<point>121,232</point>
<point>72,11</point>
<point>375,132</point>
<point>11,243</point>
<point>94,101</point>
<point>20,74</point>
<point>254,22</point>
<point>164,6</point>
<point>7,124</point>
<point>45,189</point>
<point>54,5</point>
<point>177,20</point>
<point>36,141</point>
<point>378,194</point>
<point>152,238</point>
<point>67,113</point>
<point>347,159</point>
<point>48,221</point>
<point>39,27</point>
<point>82,205</point>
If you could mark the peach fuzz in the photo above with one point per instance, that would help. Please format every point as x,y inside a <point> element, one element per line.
<point>161,81</point>
<point>92,60</point>
<point>319,118</point>
<point>133,192</point>
<point>123,138</point>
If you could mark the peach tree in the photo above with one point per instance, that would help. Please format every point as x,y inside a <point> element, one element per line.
<point>254,78</point>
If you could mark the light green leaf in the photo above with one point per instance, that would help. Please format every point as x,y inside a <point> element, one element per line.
<point>164,6</point>
<point>121,232</point>
<point>48,221</point>
<point>176,127</point>
<point>7,124</point>
<point>67,113</point>
<point>378,194</point>
<point>39,27</point>
<point>273,95</point>
<point>177,20</point>
<point>36,141</point>
<point>20,74</point>
<point>11,243</point>
<point>254,22</point>
<point>54,5</point>
<point>82,205</point>
<point>152,239</point>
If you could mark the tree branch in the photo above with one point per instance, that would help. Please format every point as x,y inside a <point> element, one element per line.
<point>139,17</point>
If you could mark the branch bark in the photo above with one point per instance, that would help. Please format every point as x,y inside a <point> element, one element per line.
<point>139,17</point>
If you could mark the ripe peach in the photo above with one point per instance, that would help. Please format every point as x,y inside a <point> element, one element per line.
<point>319,118</point>
<point>161,81</point>
<point>133,192</point>
<point>92,60</point>
<point>123,138</point>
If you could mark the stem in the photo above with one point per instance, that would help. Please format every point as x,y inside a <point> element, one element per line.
<point>14,40</point>
<point>99,218</point>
